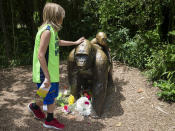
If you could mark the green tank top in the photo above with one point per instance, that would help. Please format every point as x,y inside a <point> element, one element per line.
<point>52,56</point>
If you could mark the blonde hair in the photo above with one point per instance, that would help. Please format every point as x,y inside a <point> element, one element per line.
<point>52,14</point>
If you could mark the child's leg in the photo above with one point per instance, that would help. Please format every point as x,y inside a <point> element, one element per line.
<point>50,111</point>
<point>36,110</point>
<point>51,108</point>
<point>51,122</point>
<point>35,107</point>
<point>39,103</point>
<point>50,101</point>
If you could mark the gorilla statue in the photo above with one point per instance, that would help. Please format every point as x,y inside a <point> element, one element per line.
<point>90,68</point>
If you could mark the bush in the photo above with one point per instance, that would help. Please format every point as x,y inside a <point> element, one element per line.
<point>161,69</point>
<point>161,62</point>
<point>168,90</point>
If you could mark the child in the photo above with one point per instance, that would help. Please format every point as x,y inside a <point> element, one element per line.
<point>46,62</point>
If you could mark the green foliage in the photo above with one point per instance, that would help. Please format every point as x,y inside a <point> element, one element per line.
<point>161,66</point>
<point>168,90</point>
<point>171,33</point>
<point>133,32</point>
<point>161,62</point>
<point>127,24</point>
<point>36,17</point>
<point>134,52</point>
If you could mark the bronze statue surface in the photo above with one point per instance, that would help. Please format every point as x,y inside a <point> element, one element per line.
<point>89,68</point>
<point>101,38</point>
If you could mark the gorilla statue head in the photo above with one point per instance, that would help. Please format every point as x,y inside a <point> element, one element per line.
<point>83,55</point>
<point>101,38</point>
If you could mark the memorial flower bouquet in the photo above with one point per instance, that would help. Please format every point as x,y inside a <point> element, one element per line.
<point>83,106</point>
<point>69,105</point>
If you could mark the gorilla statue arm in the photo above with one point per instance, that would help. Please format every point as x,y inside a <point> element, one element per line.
<point>100,81</point>
<point>72,74</point>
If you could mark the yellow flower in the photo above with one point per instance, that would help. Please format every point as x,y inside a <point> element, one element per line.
<point>71,100</point>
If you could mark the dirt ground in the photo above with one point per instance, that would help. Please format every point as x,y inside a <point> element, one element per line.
<point>132,104</point>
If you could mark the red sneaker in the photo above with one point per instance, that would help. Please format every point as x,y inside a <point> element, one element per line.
<point>53,124</point>
<point>37,113</point>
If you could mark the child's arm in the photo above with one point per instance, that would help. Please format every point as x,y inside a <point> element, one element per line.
<point>44,42</point>
<point>69,43</point>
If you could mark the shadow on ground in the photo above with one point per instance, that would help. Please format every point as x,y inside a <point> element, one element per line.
<point>16,91</point>
<point>113,100</point>
<point>114,95</point>
<point>14,120</point>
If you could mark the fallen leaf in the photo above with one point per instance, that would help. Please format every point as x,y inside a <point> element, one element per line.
<point>65,87</point>
<point>140,90</point>
<point>72,117</point>
<point>118,124</point>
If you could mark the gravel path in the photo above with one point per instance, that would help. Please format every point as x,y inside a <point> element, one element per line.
<point>132,104</point>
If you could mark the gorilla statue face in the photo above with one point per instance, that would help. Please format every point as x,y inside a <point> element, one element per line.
<point>81,60</point>
<point>82,53</point>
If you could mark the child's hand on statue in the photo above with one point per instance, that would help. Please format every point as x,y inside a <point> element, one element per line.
<point>79,41</point>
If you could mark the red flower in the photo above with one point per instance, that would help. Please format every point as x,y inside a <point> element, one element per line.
<point>65,87</point>
<point>87,95</point>
<point>66,107</point>
<point>86,102</point>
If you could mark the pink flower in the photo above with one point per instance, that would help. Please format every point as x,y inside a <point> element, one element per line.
<point>88,97</point>
<point>86,102</point>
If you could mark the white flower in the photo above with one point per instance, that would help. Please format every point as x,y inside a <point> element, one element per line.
<point>83,106</point>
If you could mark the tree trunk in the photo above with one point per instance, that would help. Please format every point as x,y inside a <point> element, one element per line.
<point>163,29</point>
<point>172,21</point>
<point>168,21</point>
<point>13,29</point>
<point>4,30</point>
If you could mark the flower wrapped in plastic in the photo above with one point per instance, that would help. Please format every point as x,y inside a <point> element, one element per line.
<point>83,106</point>
<point>71,100</point>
